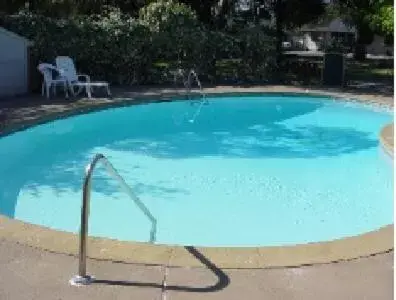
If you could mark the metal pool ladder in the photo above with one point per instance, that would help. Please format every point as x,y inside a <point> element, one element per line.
<point>83,278</point>
<point>202,101</point>
<point>188,84</point>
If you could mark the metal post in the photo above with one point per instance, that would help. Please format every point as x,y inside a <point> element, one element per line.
<point>82,265</point>
<point>83,278</point>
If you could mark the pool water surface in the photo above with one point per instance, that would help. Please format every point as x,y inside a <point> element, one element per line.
<point>244,171</point>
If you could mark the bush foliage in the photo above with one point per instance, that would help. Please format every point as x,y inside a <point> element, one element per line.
<point>124,50</point>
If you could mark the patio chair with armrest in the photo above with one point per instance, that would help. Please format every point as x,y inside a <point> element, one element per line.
<point>51,81</point>
<point>67,68</point>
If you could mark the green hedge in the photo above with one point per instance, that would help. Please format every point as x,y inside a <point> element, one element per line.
<point>110,47</point>
<point>124,50</point>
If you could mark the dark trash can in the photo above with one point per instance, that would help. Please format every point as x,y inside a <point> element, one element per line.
<point>333,69</point>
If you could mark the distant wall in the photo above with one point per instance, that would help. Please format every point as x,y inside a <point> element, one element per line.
<point>13,65</point>
<point>378,46</point>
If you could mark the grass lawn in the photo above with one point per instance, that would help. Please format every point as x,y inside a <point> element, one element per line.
<point>301,70</point>
<point>370,70</point>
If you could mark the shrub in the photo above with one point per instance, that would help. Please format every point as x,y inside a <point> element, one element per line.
<point>111,47</point>
<point>257,52</point>
<point>252,53</point>
<point>123,50</point>
<point>177,34</point>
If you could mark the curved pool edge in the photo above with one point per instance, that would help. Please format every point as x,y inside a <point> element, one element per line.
<point>364,245</point>
<point>386,139</point>
<point>84,106</point>
<point>367,244</point>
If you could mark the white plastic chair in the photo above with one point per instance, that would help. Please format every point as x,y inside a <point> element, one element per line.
<point>66,66</point>
<point>49,81</point>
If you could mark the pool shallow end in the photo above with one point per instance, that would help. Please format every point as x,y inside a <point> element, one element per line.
<point>367,244</point>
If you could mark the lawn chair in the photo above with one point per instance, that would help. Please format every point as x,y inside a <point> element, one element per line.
<point>49,81</point>
<point>66,66</point>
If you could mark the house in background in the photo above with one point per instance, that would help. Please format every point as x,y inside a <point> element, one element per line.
<point>14,64</point>
<point>316,37</point>
<point>380,46</point>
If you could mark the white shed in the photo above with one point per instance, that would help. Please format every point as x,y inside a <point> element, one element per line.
<point>14,64</point>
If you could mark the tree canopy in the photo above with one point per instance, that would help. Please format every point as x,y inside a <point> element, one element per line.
<point>288,14</point>
<point>295,13</point>
<point>377,14</point>
<point>382,19</point>
<point>71,7</point>
<point>369,17</point>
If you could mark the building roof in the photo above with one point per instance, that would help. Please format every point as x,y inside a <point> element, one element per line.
<point>335,25</point>
<point>15,36</point>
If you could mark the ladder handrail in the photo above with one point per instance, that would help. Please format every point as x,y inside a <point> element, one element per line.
<point>82,277</point>
<point>187,81</point>
<point>188,85</point>
<point>193,73</point>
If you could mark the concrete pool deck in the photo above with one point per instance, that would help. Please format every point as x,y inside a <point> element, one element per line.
<point>31,274</point>
<point>29,111</point>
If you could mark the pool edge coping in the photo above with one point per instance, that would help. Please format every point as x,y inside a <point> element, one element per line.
<point>387,133</point>
<point>367,244</point>
<point>61,242</point>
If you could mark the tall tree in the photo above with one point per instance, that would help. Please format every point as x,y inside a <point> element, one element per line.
<point>368,16</point>
<point>203,9</point>
<point>288,14</point>
<point>382,20</point>
<point>68,7</point>
<point>213,13</point>
<point>11,6</point>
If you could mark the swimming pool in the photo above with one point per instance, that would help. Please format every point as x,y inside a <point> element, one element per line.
<point>247,171</point>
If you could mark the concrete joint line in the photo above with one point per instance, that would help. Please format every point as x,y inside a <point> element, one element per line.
<point>164,284</point>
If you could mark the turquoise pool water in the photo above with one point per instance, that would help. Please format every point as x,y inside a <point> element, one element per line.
<point>246,171</point>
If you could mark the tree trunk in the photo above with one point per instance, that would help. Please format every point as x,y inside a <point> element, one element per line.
<point>364,37</point>
<point>360,52</point>
<point>360,47</point>
<point>279,37</point>
<point>33,5</point>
